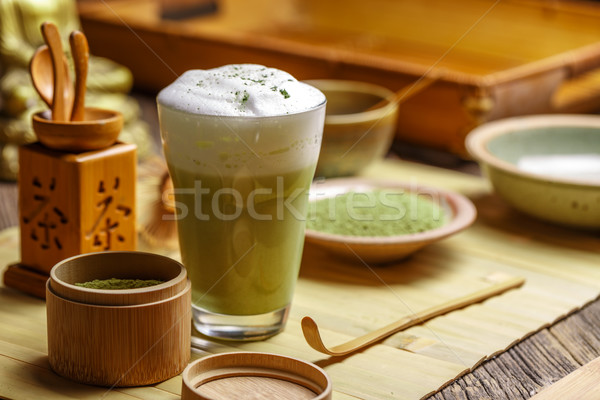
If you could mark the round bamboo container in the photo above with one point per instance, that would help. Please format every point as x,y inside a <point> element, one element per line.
<point>241,375</point>
<point>124,337</point>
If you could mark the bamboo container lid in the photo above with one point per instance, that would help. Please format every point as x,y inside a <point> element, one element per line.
<point>116,338</point>
<point>248,375</point>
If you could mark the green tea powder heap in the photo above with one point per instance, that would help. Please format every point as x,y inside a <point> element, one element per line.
<point>381,212</point>
<point>115,283</point>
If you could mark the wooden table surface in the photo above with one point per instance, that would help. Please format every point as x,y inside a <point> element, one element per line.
<point>518,373</point>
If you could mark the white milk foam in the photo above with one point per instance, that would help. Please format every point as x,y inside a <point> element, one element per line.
<point>240,118</point>
<point>240,90</point>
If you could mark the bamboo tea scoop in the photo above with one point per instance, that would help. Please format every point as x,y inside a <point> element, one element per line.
<point>81,55</point>
<point>406,92</point>
<point>313,337</point>
<point>50,74</point>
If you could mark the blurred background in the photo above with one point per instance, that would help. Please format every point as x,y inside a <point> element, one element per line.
<point>485,59</point>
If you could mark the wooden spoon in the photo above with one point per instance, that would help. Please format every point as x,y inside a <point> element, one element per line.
<point>42,73</point>
<point>313,337</point>
<point>81,56</point>
<point>62,92</point>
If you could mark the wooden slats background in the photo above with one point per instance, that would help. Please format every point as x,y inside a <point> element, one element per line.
<point>562,268</point>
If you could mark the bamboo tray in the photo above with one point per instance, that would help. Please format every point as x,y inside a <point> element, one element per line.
<point>495,59</point>
<point>348,299</point>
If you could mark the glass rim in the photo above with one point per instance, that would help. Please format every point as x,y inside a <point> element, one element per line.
<point>249,117</point>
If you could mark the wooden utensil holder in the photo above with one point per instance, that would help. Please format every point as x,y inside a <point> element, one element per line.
<point>72,203</point>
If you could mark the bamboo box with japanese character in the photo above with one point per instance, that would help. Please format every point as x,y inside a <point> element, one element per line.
<point>74,203</point>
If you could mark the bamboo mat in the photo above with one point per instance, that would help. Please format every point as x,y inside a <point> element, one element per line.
<point>347,299</point>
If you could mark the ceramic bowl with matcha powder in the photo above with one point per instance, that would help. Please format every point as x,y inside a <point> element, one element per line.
<point>382,221</point>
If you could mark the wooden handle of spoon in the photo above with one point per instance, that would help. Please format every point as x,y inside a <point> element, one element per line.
<point>81,56</point>
<point>313,337</point>
<point>60,111</point>
<point>407,92</point>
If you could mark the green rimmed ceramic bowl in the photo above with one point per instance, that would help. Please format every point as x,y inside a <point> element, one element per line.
<point>354,135</point>
<point>547,166</point>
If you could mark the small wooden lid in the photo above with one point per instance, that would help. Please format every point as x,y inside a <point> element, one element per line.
<point>247,375</point>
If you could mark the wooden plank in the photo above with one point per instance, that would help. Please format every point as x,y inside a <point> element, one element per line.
<point>581,335</point>
<point>508,377</point>
<point>581,384</point>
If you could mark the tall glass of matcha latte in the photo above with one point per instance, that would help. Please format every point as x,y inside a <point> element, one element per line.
<point>242,143</point>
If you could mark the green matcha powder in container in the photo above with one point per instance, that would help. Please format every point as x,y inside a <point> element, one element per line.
<point>376,213</point>
<point>116,283</point>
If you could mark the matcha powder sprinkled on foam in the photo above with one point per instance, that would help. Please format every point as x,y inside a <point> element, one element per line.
<point>115,283</point>
<point>240,90</point>
<point>284,93</point>
<point>376,213</point>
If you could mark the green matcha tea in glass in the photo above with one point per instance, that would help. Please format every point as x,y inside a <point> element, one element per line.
<point>241,143</point>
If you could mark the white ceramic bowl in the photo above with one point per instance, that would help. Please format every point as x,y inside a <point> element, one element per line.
<point>547,166</point>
